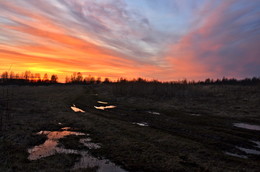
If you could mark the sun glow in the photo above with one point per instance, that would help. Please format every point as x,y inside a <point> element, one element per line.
<point>50,37</point>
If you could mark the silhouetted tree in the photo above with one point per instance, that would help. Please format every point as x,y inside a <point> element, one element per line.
<point>98,81</point>
<point>141,80</point>
<point>106,81</point>
<point>89,80</point>
<point>92,80</point>
<point>27,75</point>
<point>45,78</point>
<point>17,76</point>
<point>122,80</point>
<point>184,81</point>
<point>4,75</point>
<point>54,79</point>
<point>32,78</point>
<point>73,77</point>
<point>12,75</point>
<point>79,77</point>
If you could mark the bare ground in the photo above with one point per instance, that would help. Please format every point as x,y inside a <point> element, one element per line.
<point>192,132</point>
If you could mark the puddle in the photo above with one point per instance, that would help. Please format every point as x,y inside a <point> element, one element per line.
<point>257,143</point>
<point>236,155</point>
<point>49,147</point>
<point>105,107</point>
<point>75,109</point>
<point>142,124</point>
<point>195,114</point>
<point>101,102</point>
<point>87,142</point>
<point>103,165</point>
<point>66,128</point>
<point>247,126</point>
<point>249,151</point>
<point>154,113</point>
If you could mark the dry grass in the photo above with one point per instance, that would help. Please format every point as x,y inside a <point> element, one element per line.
<point>175,140</point>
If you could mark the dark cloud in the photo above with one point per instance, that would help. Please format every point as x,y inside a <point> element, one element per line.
<point>206,38</point>
<point>227,44</point>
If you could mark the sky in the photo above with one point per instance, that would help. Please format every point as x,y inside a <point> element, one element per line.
<point>155,39</point>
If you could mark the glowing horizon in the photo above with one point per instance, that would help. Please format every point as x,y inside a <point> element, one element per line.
<point>164,40</point>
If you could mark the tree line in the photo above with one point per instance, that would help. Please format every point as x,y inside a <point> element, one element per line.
<point>78,78</point>
<point>208,81</point>
<point>28,77</point>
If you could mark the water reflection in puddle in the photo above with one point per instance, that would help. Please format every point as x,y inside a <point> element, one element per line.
<point>105,107</point>
<point>236,155</point>
<point>75,109</point>
<point>154,113</point>
<point>88,161</point>
<point>142,124</point>
<point>247,126</point>
<point>195,114</point>
<point>249,151</point>
<point>101,102</point>
<point>257,143</point>
<point>49,147</point>
<point>87,142</point>
<point>66,128</point>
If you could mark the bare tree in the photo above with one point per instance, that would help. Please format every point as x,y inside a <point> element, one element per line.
<point>79,77</point>
<point>12,75</point>
<point>54,79</point>
<point>73,77</point>
<point>17,76</point>
<point>32,77</point>
<point>98,81</point>
<point>45,78</point>
<point>106,80</point>
<point>5,75</point>
<point>27,75</point>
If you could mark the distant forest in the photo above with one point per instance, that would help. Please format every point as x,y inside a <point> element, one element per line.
<point>29,78</point>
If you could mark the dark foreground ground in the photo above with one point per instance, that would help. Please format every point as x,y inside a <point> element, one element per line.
<point>193,132</point>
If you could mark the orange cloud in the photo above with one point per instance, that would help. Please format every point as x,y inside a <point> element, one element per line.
<point>104,39</point>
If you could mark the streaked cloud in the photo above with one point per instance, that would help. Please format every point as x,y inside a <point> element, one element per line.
<point>164,40</point>
<point>226,44</point>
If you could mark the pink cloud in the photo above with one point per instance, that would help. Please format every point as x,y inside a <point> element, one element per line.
<point>224,45</point>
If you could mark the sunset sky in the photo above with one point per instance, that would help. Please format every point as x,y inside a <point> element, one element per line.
<point>154,39</point>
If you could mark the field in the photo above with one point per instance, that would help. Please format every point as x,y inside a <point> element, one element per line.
<point>154,127</point>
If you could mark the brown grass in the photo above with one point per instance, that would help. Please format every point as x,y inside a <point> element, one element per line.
<point>175,140</point>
